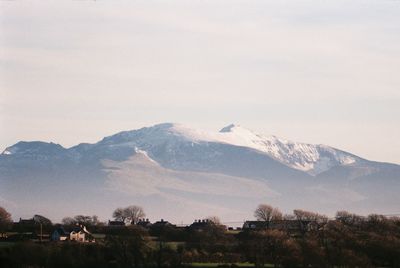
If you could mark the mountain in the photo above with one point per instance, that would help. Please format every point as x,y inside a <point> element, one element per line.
<point>182,173</point>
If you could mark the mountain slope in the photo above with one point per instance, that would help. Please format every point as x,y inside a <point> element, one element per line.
<point>227,172</point>
<point>173,138</point>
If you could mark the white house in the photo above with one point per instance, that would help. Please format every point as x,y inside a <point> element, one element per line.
<point>78,234</point>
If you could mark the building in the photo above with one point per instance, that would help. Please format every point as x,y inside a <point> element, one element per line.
<point>159,227</point>
<point>116,223</point>
<point>78,234</point>
<point>200,224</point>
<point>26,222</point>
<point>291,226</point>
<point>162,223</point>
<point>59,235</point>
<point>255,225</point>
<point>145,223</point>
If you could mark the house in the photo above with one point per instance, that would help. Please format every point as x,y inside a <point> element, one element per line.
<point>283,225</point>
<point>25,225</point>
<point>116,223</point>
<point>160,226</point>
<point>3,236</point>
<point>60,235</point>
<point>26,222</point>
<point>255,225</point>
<point>200,224</point>
<point>80,234</point>
<point>145,223</point>
<point>161,223</point>
<point>30,229</point>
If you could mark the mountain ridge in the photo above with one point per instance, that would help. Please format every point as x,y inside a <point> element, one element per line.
<point>168,166</point>
<point>311,158</point>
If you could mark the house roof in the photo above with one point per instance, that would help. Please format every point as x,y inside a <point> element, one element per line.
<point>278,224</point>
<point>61,231</point>
<point>27,221</point>
<point>80,228</point>
<point>116,223</point>
<point>161,223</point>
<point>200,224</point>
<point>144,223</point>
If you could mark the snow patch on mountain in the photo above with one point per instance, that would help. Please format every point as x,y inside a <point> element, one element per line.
<point>145,155</point>
<point>311,158</point>
<point>6,152</point>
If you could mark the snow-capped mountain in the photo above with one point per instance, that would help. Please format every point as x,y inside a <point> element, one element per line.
<point>313,159</point>
<point>167,166</point>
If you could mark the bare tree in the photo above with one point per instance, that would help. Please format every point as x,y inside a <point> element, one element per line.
<point>304,215</point>
<point>87,220</point>
<point>309,220</point>
<point>42,220</point>
<point>68,221</point>
<point>119,214</point>
<point>130,214</point>
<point>133,214</point>
<point>267,213</point>
<point>214,219</point>
<point>348,218</point>
<point>5,220</point>
<point>289,217</point>
<point>263,212</point>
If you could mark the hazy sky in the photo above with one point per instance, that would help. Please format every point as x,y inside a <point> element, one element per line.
<point>313,71</point>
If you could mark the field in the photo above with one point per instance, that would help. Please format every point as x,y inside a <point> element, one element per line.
<point>211,265</point>
<point>6,244</point>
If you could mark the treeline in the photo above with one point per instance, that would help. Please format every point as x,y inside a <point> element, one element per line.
<point>302,239</point>
<point>347,241</point>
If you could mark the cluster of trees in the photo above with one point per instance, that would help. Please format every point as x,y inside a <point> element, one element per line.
<point>5,221</point>
<point>348,240</point>
<point>308,240</point>
<point>82,219</point>
<point>130,214</point>
<point>267,213</point>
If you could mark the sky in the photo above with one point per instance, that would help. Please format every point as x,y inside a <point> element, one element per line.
<point>312,71</point>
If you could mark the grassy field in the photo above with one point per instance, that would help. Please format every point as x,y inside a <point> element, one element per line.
<point>99,236</point>
<point>212,265</point>
<point>232,232</point>
<point>6,244</point>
